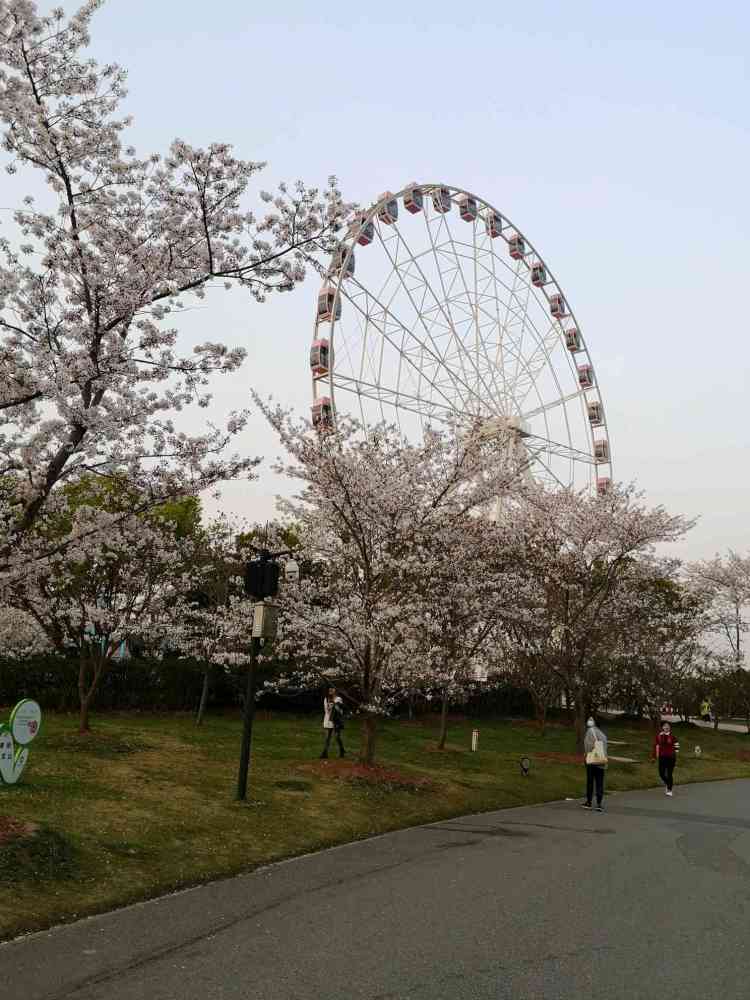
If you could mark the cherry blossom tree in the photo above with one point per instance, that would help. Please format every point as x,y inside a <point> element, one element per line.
<point>211,623</point>
<point>464,600</point>
<point>373,515</point>
<point>575,550</point>
<point>727,581</point>
<point>92,600</point>
<point>520,662</point>
<point>662,621</point>
<point>94,279</point>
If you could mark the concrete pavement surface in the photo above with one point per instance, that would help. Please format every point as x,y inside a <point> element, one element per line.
<point>650,898</point>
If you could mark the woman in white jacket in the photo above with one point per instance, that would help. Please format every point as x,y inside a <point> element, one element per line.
<point>595,748</point>
<point>333,721</point>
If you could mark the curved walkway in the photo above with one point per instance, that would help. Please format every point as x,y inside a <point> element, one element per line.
<point>648,899</point>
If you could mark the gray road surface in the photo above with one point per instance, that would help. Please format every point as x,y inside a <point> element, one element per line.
<point>650,899</point>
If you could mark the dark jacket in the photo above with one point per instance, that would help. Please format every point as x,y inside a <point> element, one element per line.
<point>337,715</point>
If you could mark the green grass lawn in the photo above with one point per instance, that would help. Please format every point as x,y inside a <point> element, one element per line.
<point>145,804</point>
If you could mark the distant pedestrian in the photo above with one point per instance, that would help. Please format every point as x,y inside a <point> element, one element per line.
<point>595,748</point>
<point>333,721</point>
<point>665,751</point>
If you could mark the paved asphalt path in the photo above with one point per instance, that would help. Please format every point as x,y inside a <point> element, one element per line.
<point>649,899</point>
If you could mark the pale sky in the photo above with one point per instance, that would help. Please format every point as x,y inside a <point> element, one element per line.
<point>616,136</point>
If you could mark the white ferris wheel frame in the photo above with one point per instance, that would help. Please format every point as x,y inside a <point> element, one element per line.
<point>536,446</point>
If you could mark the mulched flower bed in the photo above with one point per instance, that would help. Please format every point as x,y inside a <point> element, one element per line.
<point>14,829</point>
<point>344,770</point>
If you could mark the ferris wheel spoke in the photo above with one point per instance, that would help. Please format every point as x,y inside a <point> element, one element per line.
<point>559,401</point>
<point>385,335</point>
<point>558,449</point>
<point>465,354</point>
<point>531,367</point>
<point>540,461</point>
<point>473,304</point>
<point>418,310</point>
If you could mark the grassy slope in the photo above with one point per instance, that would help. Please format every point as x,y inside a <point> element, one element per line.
<point>146,804</point>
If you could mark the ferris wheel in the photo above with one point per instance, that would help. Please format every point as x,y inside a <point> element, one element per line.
<point>448,314</point>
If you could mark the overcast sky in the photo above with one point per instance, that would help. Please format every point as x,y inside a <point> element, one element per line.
<point>614,135</point>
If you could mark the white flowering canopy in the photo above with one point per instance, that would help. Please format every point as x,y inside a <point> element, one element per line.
<point>92,278</point>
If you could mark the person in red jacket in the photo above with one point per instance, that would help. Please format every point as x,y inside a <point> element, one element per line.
<point>665,751</point>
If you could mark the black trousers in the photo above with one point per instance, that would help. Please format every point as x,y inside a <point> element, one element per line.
<point>329,734</point>
<point>594,776</point>
<point>666,770</point>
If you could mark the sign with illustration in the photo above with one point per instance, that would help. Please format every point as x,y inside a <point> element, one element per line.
<point>22,728</point>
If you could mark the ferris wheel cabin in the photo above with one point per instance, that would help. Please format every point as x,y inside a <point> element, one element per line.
<point>322,414</point>
<point>467,207</point>
<point>441,200</point>
<point>596,418</point>
<point>320,357</point>
<point>388,211</point>
<point>601,451</point>
<point>413,199</point>
<point>329,306</point>
<point>573,340</point>
<point>493,223</point>
<point>364,229</point>
<point>538,274</point>
<point>557,306</point>
<point>585,376</point>
<point>341,265</point>
<point>517,247</point>
<point>603,486</point>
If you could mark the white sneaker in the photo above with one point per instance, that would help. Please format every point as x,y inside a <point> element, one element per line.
<point>669,793</point>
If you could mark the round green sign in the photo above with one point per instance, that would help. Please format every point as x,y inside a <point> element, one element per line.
<point>25,721</point>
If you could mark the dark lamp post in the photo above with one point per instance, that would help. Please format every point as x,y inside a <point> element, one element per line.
<point>261,582</point>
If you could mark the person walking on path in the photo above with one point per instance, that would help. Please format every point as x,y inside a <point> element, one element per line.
<point>665,751</point>
<point>595,748</point>
<point>333,721</point>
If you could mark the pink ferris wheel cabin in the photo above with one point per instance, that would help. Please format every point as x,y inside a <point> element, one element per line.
<point>320,357</point>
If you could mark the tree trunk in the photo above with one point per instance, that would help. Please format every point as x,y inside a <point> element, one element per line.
<point>540,712</point>
<point>204,697</point>
<point>369,732</point>
<point>83,717</point>
<point>410,706</point>
<point>443,721</point>
<point>86,695</point>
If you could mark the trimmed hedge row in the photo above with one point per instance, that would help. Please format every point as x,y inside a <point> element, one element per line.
<point>175,685</point>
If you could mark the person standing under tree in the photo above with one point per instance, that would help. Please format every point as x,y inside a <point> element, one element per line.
<point>595,748</point>
<point>665,751</point>
<point>333,721</point>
